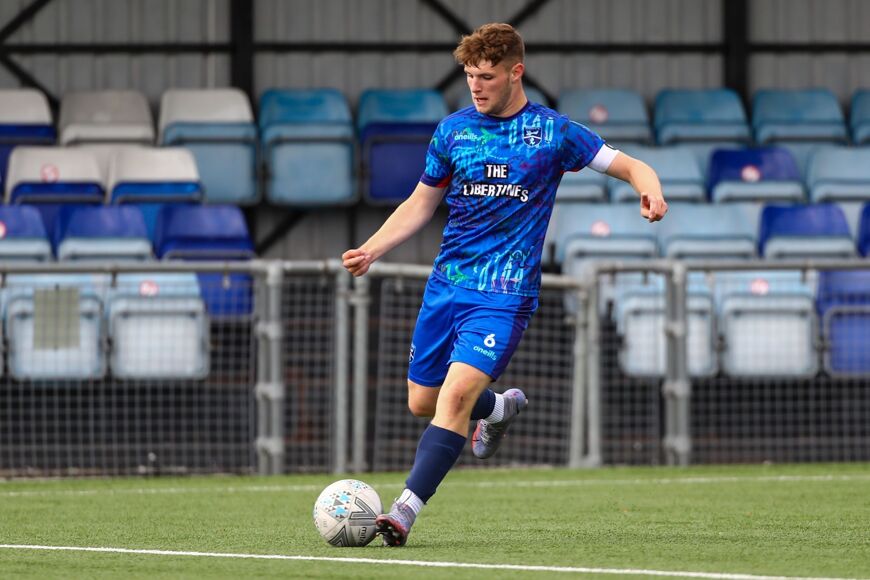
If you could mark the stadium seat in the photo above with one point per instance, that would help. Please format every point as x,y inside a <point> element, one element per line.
<point>48,177</point>
<point>54,327</point>
<point>640,321</point>
<point>767,323</point>
<point>859,117</point>
<point>844,311</point>
<point>25,119</point>
<point>153,177</point>
<point>395,128</point>
<point>804,231</point>
<point>159,327</point>
<point>105,117</point>
<point>687,115</point>
<point>98,233</point>
<point>618,115</point>
<point>217,126</point>
<point>754,174</point>
<point>678,171</point>
<point>532,94</point>
<point>797,115</point>
<point>22,235</point>
<point>839,174</point>
<point>707,232</point>
<point>586,185</point>
<point>307,139</point>
<point>215,232</point>
<point>863,238</point>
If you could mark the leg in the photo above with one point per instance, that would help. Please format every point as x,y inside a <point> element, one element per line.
<point>422,401</point>
<point>438,450</point>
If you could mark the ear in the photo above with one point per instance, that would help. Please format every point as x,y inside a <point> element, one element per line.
<point>517,71</point>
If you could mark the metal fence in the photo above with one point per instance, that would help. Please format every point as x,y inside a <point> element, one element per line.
<point>275,367</point>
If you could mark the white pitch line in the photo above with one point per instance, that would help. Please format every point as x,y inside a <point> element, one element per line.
<point>460,484</point>
<point>420,563</point>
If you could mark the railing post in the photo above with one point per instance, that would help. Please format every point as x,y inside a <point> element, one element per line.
<point>579,420</point>
<point>342,354</point>
<point>676,387</point>
<point>360,300</point>
<point>593,371</point>
<point>270,370</point>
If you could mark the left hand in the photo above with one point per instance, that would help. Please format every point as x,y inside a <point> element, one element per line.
<point>653,207</point>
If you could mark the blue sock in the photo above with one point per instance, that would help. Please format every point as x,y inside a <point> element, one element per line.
<point>484,405</point>
<point>437,451</point>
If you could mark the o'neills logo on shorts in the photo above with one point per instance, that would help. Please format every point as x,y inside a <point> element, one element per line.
<point>514,190</point>
<point>487,353</point>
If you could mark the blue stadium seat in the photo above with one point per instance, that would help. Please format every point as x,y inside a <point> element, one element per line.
<point>618,115</point>
<point>839,174</point>
<point>49,177</point>
<point>754,174</point>
<point>22,235</point>
<point>863,239</point>
<point>25,119</point>
<point>101,233</point>
<point>686,115</point>
<point>152,178</point>
<point>532,94</point>
<point>159,327</point>
<point>54,326</point>
<point>859,117</point>
<point>804,231</point>
<point>797,115</point>
<point>586,185</point>
<point>395,129</point>
<point>216,232</point>
<point>307,141</point>
<point>767,322</point>
<point>707,232</point>
<point>217,126</point>
<point>678,171</point>
<point>844,310</point>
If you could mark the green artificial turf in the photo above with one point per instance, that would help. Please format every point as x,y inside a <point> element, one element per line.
<point>808,520</point>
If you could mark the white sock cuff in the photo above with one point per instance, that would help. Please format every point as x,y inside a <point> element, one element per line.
<point>412,500</point>
<point>497,411</point>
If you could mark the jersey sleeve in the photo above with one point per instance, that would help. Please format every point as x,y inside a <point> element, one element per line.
<point>581,146</point>
<point>438,168</point>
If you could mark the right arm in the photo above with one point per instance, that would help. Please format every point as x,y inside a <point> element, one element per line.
<point>409,217</point>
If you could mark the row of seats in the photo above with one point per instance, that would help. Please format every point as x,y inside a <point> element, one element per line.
<point>692,232</point>
<point>314,152</point>
<point>758,323</point>
<point>136,326</point>
<point>50,177</point>
<point>834,173</point>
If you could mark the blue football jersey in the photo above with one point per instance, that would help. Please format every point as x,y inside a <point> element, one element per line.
<point>501,175</point>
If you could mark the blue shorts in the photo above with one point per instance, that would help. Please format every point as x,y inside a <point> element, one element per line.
<point>480,329</point>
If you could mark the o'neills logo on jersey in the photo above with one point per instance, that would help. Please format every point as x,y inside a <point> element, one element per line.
<point>465,135</point>
<point>514,190</point>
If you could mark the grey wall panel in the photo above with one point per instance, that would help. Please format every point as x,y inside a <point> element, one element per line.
<point>841,73</point>
<point>809,20</point>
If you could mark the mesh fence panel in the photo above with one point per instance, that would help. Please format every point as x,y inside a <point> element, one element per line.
<point>308,314</point>
<point>795,370</point>
<point>542,366</point>
<point>150,375</point>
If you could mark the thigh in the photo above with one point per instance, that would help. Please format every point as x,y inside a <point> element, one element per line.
<point>434,335</point>
<point>489,330</point>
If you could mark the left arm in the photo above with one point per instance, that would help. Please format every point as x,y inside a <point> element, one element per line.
<point>645,182</point>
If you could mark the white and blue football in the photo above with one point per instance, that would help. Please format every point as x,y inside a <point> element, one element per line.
<point>345,513</point>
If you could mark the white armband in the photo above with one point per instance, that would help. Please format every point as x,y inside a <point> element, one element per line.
<point>602,160</point>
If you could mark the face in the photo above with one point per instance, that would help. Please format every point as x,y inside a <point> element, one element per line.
<point>493,87</point>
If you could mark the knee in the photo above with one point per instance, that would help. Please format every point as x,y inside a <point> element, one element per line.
<point>454,402</point>
<point>420,403</point>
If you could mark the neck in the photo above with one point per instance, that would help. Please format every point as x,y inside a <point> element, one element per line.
<point>517,102</point>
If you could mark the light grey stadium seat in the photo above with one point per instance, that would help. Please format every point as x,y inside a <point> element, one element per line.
<point>678,171</point>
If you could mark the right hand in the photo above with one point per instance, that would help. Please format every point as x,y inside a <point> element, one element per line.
<point>357,261</point>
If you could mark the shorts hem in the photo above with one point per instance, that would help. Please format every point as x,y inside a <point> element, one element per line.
<point>424,383</point>
<point>477,366</point>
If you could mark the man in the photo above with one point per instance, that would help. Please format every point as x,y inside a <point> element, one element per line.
<point>500,163</point>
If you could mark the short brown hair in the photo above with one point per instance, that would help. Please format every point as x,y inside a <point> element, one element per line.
<point>491,42</point>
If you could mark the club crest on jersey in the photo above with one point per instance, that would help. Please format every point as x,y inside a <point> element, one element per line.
<point>532,136</point>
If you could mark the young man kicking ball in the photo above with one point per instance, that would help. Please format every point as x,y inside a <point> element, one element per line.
<point>499,162</point>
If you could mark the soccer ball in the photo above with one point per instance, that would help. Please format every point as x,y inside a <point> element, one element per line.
<point>345,513</point>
